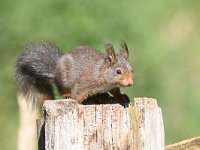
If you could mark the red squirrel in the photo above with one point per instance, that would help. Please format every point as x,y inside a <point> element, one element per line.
<point>78,74</point>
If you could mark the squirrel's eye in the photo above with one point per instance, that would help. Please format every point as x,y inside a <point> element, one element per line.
<point>119,71</point>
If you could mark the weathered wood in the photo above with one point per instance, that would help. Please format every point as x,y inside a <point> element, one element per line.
<point>189,144</point>
<point>148,125</point>
<point>72,126</point>
<point>69,125</point>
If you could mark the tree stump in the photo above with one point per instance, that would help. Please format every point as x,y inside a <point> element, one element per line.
<point>69,125</point>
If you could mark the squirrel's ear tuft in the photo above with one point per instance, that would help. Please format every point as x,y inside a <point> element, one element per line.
<point>124,51</point>
<point>110,52</point>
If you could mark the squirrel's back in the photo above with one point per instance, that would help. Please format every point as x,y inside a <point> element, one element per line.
<point>36,71</point>
<point>78,66</point>
<point>84,58</point>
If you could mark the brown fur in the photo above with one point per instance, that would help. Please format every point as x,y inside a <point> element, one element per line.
<point>82,72</point>
<point>78,74</point>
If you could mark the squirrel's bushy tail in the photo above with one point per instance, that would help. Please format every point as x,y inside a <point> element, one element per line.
<point>35,73</point>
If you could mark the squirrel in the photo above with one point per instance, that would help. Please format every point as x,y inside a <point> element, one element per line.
<point>78,74</point>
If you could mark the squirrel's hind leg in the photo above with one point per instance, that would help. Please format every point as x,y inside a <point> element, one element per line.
<point>80,94</point>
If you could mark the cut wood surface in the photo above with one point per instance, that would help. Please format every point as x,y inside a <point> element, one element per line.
<point>189,144</point>
<point>69,125</point>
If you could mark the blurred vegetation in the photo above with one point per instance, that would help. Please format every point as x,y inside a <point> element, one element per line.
<point>163,37</point>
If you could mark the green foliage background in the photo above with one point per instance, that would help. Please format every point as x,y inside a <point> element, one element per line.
<point>163,37</point>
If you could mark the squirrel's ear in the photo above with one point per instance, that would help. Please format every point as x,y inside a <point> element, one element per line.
<point>124,50</point>
<point>110,52</point>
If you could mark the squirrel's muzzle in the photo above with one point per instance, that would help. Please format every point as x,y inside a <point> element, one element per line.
<point>130,82</point>
<point>127,82</point>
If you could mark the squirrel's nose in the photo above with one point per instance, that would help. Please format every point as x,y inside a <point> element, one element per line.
<point>130,82</point>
